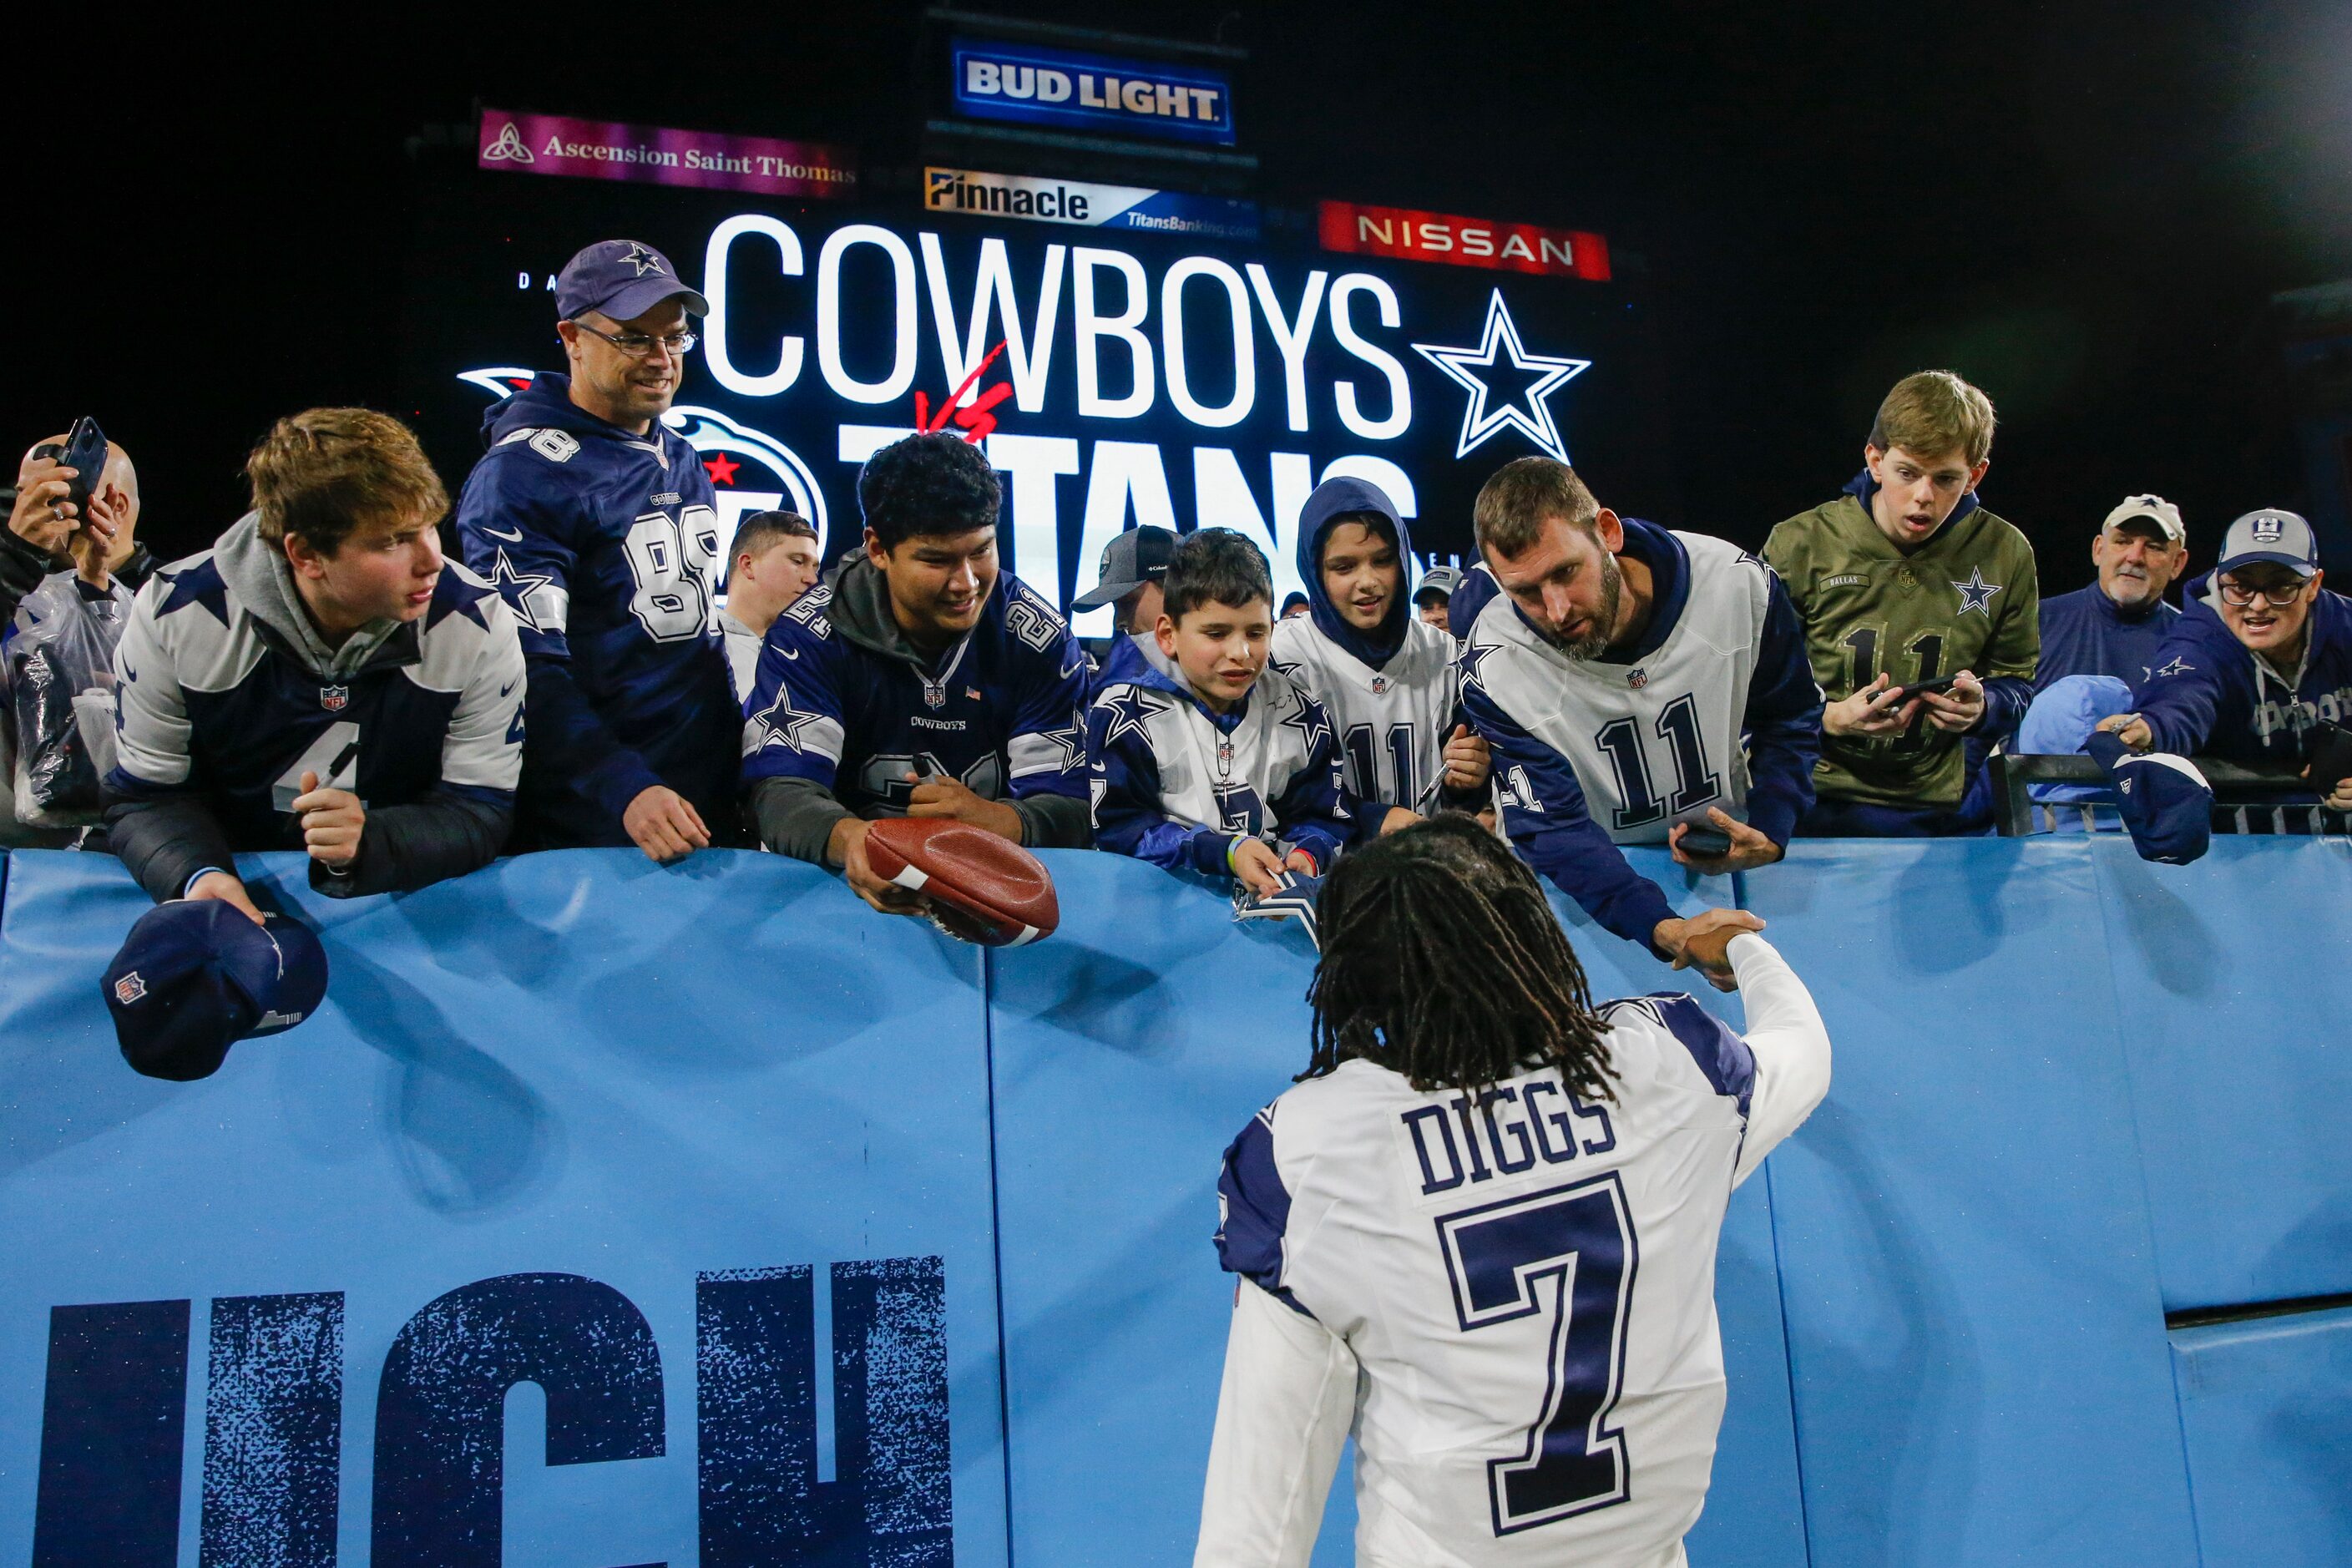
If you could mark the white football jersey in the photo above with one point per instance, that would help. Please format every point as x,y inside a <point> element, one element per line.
<point>1653,743</point>
<point>1391,722</point>
<point>1522,1280</point>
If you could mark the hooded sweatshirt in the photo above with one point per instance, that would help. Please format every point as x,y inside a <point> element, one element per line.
<point>606,544</point>
<point>2212,696</point>
<point>843,707</point>
<point>1392,693</point>
<point>228,694</point>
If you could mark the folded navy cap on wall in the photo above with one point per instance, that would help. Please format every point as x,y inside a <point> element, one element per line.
<point>2164,800</point>
<point>197,975</point>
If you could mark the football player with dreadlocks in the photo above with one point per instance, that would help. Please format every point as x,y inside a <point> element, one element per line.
<point>1438,1230</point>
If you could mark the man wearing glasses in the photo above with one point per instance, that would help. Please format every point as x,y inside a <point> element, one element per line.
<point>598,525</point>
<point>2262,655</point>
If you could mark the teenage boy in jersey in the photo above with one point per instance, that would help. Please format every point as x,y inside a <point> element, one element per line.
<point>1209,762</point>
<point>1634,683</point>
<point>1385,676</point>
<point>1134,565</point>
<point>2262,654</point>
<point>924,681</point>
<point>2113,625</point>
<point>1902,579</point>
<point>599,526</point>
<point>320,679</point>
<point>773,561</point>
<point>1482,1235</point>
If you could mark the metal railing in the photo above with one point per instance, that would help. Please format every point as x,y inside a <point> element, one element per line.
<point>2244,799</point>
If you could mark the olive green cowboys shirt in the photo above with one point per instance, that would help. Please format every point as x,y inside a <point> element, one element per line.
<point>1967,599</point>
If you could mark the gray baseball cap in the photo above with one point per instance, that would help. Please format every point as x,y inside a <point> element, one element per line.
<point>1441,581</point>
<point>1130,560</point>
<point>2278,536</point>
<point>624,279</point>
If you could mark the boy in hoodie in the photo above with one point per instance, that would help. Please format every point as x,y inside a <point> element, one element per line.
<point>600,527</point>
<point>1208,761</point>
<point>2262,655</point>
<point>1385,676</point>
<point>923,681</point>
<point>1901,579</point>
<point>319,679</point>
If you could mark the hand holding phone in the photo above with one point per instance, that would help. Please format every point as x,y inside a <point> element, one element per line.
<point>1904,693</point>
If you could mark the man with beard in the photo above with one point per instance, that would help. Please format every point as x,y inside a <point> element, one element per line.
<point>1614,676</point>
<point>2114,625</point>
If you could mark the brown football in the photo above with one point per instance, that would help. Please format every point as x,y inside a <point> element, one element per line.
<point>983,887</point>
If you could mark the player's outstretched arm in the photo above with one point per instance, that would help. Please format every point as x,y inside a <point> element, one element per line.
<point>1791,1045</point>
<point>1283,1413</point>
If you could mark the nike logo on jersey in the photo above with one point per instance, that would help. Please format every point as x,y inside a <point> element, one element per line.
<point>514,538</point>
<point>510,686</point>
<point>793,653</point>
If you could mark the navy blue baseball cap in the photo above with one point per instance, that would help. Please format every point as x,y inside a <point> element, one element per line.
<point>197,975</point>
<point>624,279</point>
<point>2164,801</point>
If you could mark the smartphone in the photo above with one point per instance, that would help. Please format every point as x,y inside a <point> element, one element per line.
<point>1904,693</point>
<point>85,454</point>
<point>1706,842</point>
<point>2331,756</point>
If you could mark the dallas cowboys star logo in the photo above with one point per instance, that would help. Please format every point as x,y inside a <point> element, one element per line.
<point>520,589</point>
<point>1472,656</point>
<point>1308,718</point>
<point>1976,593</point>
<point>1526,413</point>
<point>644,260</point>
<point>782,723</point>
<point>1069,745</point>
<point>1129,707</point>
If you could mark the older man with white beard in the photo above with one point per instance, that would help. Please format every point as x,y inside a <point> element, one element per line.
<point>2114,625</point>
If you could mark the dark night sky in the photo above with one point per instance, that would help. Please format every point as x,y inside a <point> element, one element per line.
<point>2082,207</point>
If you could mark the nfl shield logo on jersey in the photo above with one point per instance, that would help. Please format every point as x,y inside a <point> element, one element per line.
<point>1379,686</point>
<point>130,988</point>
<point>333,698</point>
<point>1637,678</point>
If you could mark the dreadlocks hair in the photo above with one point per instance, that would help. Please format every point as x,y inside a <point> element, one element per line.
<point>1442,961</point>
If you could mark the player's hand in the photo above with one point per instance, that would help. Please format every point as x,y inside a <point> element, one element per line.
<point>2129,728</point>
<point>1872,710</point>
<point>1961,708</point>
<point>1398,820</point>
<point>846,848</point>
<point>228,890</point>
<point>43,517</point>
<point>941,796</point>
<point>332,821</point>
<point>1467,760</point>
<point>1257,866</point>
<point>1699,942</point>
<point>1749,848</point>
<point>1300,861</point>
<point>665,825</point>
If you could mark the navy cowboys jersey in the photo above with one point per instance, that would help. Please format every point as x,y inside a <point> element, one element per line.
<point>1508,1294</point>
<point>1175,785</point>
<point>1391,722</point>
<point>211,702</point>
<point>605,545</point>
<point>999,711</point>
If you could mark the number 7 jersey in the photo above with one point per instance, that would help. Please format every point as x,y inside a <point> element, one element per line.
<point>1524,1277</point>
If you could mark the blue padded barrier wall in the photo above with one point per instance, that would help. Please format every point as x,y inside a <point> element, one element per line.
<point>2266,1407</point>
<point>1974,1326</point>
<point>693,1162</point>
<point>2241,1074</point>
<point>654,1215</point>
<point>1128,1050</point>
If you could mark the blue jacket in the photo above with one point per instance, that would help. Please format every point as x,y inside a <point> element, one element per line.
<point>605,544</point>
<point>2082,632</point>
<point>2211,696</point>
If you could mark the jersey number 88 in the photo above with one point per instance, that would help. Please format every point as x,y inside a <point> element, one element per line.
<point>673,563</point>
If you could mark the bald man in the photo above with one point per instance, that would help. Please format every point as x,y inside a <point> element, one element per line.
<point>48,532</point>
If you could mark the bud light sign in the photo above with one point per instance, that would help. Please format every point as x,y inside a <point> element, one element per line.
<point>1092,92</point>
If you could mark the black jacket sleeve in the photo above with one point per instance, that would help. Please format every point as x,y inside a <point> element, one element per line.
<point>404,847</point>
<point>167,840</point>
<point>22,567</point>
<point>1054,821</point>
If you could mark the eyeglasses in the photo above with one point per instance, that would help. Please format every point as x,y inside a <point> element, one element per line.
<point>2238,597</point>
<point>637,345</point>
